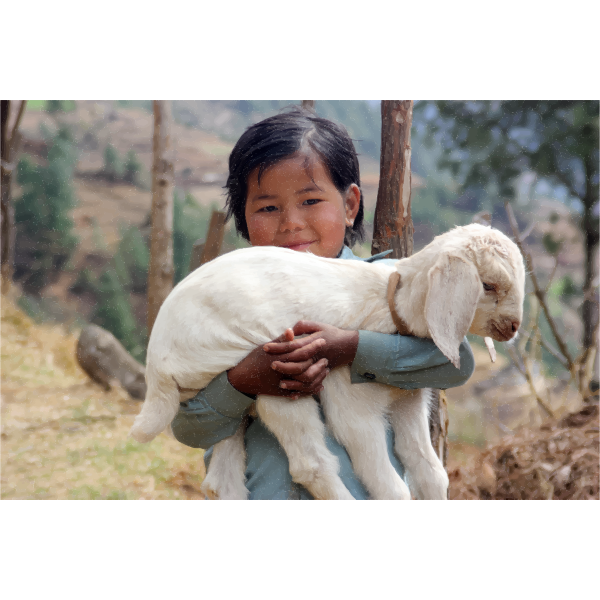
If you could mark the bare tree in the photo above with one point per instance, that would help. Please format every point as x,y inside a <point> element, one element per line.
<point>393,227</point>
<point>205,251</point>
<point>160,273</point>
<point>11,141</point>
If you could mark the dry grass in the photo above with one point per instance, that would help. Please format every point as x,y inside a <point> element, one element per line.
<point>64,437</point>
<point>558,461</point>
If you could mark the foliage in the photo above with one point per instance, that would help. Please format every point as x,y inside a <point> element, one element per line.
<point>132,168</point>
<point>132,260</point>
<point>492,143</point>
<point>45,235</point>
<point>190,223</point>
<point>113,165</point>
<point>56,106</point>
<point>114,313</point>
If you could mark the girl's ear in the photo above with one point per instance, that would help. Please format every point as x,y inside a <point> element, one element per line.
<point>352,203</point>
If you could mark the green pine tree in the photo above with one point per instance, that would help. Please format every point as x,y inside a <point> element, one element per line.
<point>45,237</point>
<point>132,168</point>
<point>113,165</point>
<point>115,314</point>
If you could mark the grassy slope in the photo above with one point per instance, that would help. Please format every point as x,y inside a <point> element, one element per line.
<point>64,437</point>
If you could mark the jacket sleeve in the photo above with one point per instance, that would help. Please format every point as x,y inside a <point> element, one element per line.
<point>212,415</point>
<point>408,362</point>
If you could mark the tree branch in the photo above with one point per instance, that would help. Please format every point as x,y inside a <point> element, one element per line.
<point>538,291</point>
<point>554,353</point>
<point>526,372</point>
<point>551,275</point>
<point>17,123</point>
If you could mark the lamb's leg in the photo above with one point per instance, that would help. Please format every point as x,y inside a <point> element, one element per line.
<point>301,433</point>
<point>226,474</point>
<point>425,473</point>
<point>355,414</point>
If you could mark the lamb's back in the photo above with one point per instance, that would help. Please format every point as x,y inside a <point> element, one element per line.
<point>221,311</point>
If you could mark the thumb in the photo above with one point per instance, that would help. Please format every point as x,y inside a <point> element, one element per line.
<point>302,327</point>
<point>286,336</point>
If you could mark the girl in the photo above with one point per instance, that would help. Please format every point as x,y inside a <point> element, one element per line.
<point>294,182</point>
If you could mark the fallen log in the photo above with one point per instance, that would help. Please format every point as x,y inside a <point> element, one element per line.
<point>105,360</point>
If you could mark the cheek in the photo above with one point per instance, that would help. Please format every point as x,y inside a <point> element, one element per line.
<point>261,228</point>
<point>330,222</point>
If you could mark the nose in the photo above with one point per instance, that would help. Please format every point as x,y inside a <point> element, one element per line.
<point>291,220</point>
<point>515,325</point>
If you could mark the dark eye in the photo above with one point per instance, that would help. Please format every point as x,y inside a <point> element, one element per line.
<point>489,288</point>
<point>311,201</point>
<point>267,209</point>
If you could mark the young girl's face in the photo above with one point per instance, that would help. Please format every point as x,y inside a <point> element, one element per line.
<point>299,208</point>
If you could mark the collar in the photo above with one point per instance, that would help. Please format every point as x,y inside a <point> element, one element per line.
<point>394,283</point>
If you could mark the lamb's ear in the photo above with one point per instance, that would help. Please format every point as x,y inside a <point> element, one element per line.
<point>452,297</point>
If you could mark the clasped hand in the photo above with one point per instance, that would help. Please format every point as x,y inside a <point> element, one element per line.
<point>292,367</point>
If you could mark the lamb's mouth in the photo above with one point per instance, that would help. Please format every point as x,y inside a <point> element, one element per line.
<point>498,334</point>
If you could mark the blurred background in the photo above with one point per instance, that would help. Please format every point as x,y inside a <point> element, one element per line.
<point>81,190</point>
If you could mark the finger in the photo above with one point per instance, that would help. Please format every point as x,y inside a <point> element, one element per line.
<point>305,372</point>
<point>302,327</point>
<point>317,385</point>
<point>312,372</point>
<point>302,388</point>
<point>292,368</point>
<point>286,336</point>
<point>308,352</point>
<point>279,346</point>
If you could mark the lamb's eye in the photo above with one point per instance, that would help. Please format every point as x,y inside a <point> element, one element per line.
<point>489,288</point>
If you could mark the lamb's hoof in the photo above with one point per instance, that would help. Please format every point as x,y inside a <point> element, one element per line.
<point>209,491</point>
<point>435,487</point>
<point>224,491</point>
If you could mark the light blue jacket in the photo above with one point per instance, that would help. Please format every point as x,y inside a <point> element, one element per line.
<point>401,361</point>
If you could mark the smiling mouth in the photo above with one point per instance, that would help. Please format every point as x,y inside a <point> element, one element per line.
<point>300,247</point>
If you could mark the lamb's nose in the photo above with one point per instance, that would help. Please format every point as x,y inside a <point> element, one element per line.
<point>515,325</point>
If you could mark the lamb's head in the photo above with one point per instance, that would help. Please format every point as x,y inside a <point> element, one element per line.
<point>475,285</point>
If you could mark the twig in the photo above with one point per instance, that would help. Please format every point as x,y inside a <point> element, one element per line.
<point>551,275</point>
<point>522,366</point>
<point>554,353</point>
<point>538,291</point>
<point>527,232</point>
<point>515,358</point>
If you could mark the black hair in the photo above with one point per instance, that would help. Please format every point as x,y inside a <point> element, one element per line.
<point>266,143</point>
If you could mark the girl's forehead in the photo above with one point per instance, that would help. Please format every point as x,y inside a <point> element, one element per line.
<point>290,172</point>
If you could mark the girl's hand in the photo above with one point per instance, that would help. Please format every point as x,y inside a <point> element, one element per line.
<point>256,375</point>
<point>338,347</point>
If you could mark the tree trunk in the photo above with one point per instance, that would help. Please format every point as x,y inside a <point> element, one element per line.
<point>308,104</point>
<point>8,152</point>
<point>104,359</point>
<point>202,251</point>
<point>160,273</point>
<point>589,310</point>
<point>393,228</point>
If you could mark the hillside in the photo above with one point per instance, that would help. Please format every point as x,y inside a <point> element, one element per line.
<point>64,437</point>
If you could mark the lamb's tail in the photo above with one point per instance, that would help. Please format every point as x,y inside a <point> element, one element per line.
<point>159,408</point>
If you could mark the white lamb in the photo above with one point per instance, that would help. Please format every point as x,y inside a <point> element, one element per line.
<point>470,279</point>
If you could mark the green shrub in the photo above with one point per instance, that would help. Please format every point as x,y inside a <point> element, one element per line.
<point>113,165</point>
